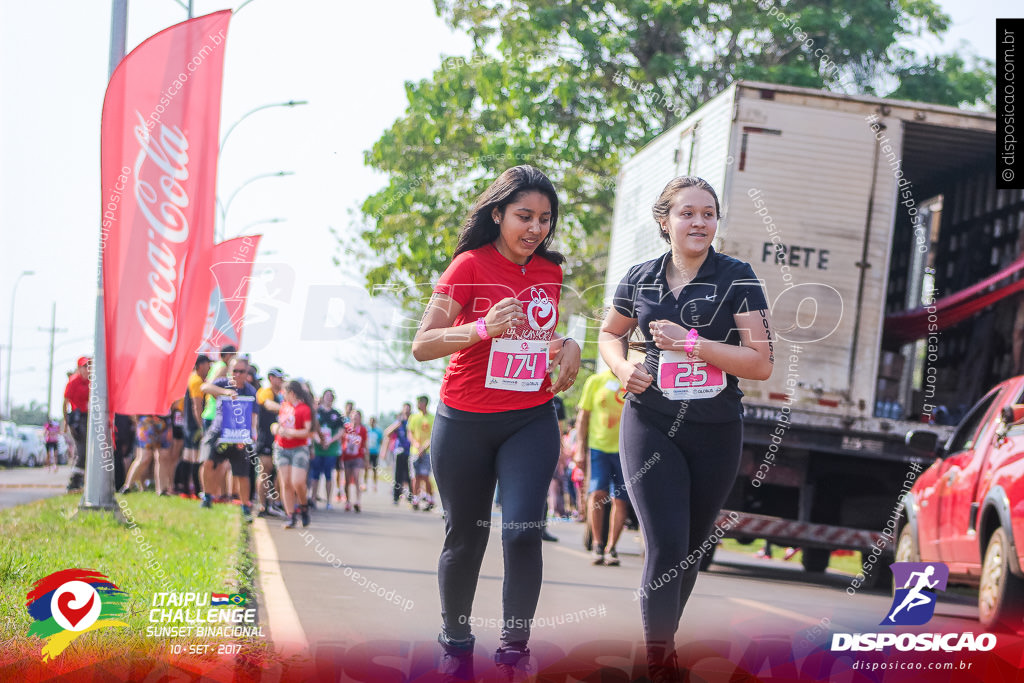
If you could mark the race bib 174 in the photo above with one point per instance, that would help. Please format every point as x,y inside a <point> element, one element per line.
<point>517,364</point>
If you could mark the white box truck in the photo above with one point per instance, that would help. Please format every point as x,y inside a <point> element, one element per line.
<point>853,210</point>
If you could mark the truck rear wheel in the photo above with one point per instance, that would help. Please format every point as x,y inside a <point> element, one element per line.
<point>1001,594</point>
<point>816,559</point>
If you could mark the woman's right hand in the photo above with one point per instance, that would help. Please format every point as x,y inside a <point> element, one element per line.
<point>504,315</point>
<point>633,377</point>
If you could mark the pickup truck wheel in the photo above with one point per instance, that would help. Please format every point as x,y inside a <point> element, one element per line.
<point>906,546</point>
<point>1001,594</point>
<point>816,559</point>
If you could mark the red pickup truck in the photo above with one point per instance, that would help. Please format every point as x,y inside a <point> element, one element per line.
<point>967,509</point>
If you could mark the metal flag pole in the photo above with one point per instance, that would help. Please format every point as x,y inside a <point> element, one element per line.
<point>99,475</point>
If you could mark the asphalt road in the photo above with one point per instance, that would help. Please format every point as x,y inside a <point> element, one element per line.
<point>364,586</point>
<point>20,485</point>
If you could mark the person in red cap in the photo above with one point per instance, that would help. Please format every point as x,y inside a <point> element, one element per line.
<point>76,416</point>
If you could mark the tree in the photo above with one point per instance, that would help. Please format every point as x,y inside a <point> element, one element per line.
<point>576,86</point>
<point>32,414</point>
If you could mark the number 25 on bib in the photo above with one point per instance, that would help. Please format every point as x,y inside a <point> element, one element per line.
<point>683,379</point>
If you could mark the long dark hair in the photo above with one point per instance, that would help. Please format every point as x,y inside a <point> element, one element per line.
<point>480,229</point>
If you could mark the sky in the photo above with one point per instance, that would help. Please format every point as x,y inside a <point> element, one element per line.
<point>349,60</point>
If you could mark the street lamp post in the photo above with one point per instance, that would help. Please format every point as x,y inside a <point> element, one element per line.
<point>10,337</point>
<point>224,208</point>
<point>289,103</point>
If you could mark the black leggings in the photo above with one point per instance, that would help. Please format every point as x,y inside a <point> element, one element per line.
<point>471,452</point>
<point>678,485</point>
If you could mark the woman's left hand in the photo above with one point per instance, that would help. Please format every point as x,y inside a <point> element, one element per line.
<point>567,360</point>
<point>668,336</point>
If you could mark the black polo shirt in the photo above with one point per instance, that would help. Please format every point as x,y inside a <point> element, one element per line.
<point>723,287</point>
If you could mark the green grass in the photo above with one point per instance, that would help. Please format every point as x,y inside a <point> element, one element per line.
<point>848,564</point>
<point>198,551</point>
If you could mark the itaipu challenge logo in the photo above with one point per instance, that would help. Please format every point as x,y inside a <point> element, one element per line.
<point>71,602</point>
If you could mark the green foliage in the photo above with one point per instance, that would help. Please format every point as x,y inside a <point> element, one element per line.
<point>32,414</point>
<point>575,86</point>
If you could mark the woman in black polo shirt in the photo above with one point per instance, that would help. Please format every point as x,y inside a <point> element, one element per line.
<point>704,323</point>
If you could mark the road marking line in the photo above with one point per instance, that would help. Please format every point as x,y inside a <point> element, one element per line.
<point>788,614</point>
<point>285,628</point>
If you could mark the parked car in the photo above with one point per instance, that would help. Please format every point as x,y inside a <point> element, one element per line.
<point>10,443</point>
<point>967,509</point>
<point>33,446</point>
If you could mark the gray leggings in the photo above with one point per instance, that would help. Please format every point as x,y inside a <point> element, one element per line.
<point>471,452</point>
<point>678,476</point>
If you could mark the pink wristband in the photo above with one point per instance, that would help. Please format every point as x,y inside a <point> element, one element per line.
<point>691,341</point>
<point>481,329</point>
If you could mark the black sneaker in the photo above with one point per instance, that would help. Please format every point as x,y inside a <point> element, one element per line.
<point>663,668</point>
<point>293,522</point>
<point>546,536</point>
<point>304,511</point>
<point>613,558</point>
<point>456,660</point>
<point>598,556</point>
<point>513,662</point>
<point>206,502</point>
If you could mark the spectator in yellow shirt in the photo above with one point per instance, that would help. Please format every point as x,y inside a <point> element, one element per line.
<point>597,431</point>
<point>420,426</point>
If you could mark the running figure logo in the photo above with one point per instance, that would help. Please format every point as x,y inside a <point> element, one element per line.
<point>915,584</point>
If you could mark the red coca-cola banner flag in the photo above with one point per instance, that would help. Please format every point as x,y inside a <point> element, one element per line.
<point>161,120</point>
<point>232,272</point>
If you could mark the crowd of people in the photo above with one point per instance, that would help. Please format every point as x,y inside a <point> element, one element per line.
<point>297,451</point>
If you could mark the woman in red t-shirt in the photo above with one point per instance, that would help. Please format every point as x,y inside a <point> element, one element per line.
<point>291,450</point>
<point>494,310</point>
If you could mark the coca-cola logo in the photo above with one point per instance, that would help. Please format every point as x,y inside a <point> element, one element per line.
<point>163,159</point>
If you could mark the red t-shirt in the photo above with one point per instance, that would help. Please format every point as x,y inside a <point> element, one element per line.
<point>77,392</point>
<point>293,417</point>
<point>353,443</point>
<point>477,280</point>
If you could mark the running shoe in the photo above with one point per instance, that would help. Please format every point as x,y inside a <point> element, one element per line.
<point>275,510</point>
<point>598,556</point>
<point>663,669</point>
<point>312,504</point>
<point>348,507</point>
<point>613,558</point>
<point>291,524</point>
<point>246,514</point>
<point>456,660</point>
<point>415,505</point>
<point>328,507</point>
<point>429,506</point>
<point>207,501</point>
<point>546,536</point>
<point>356,507</point>
<point>304,510</point>
<point>513,662</point>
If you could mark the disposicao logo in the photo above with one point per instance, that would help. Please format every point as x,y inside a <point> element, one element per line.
<point>68,603</point>
<point>913,604</point>
<point>914,584</point>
